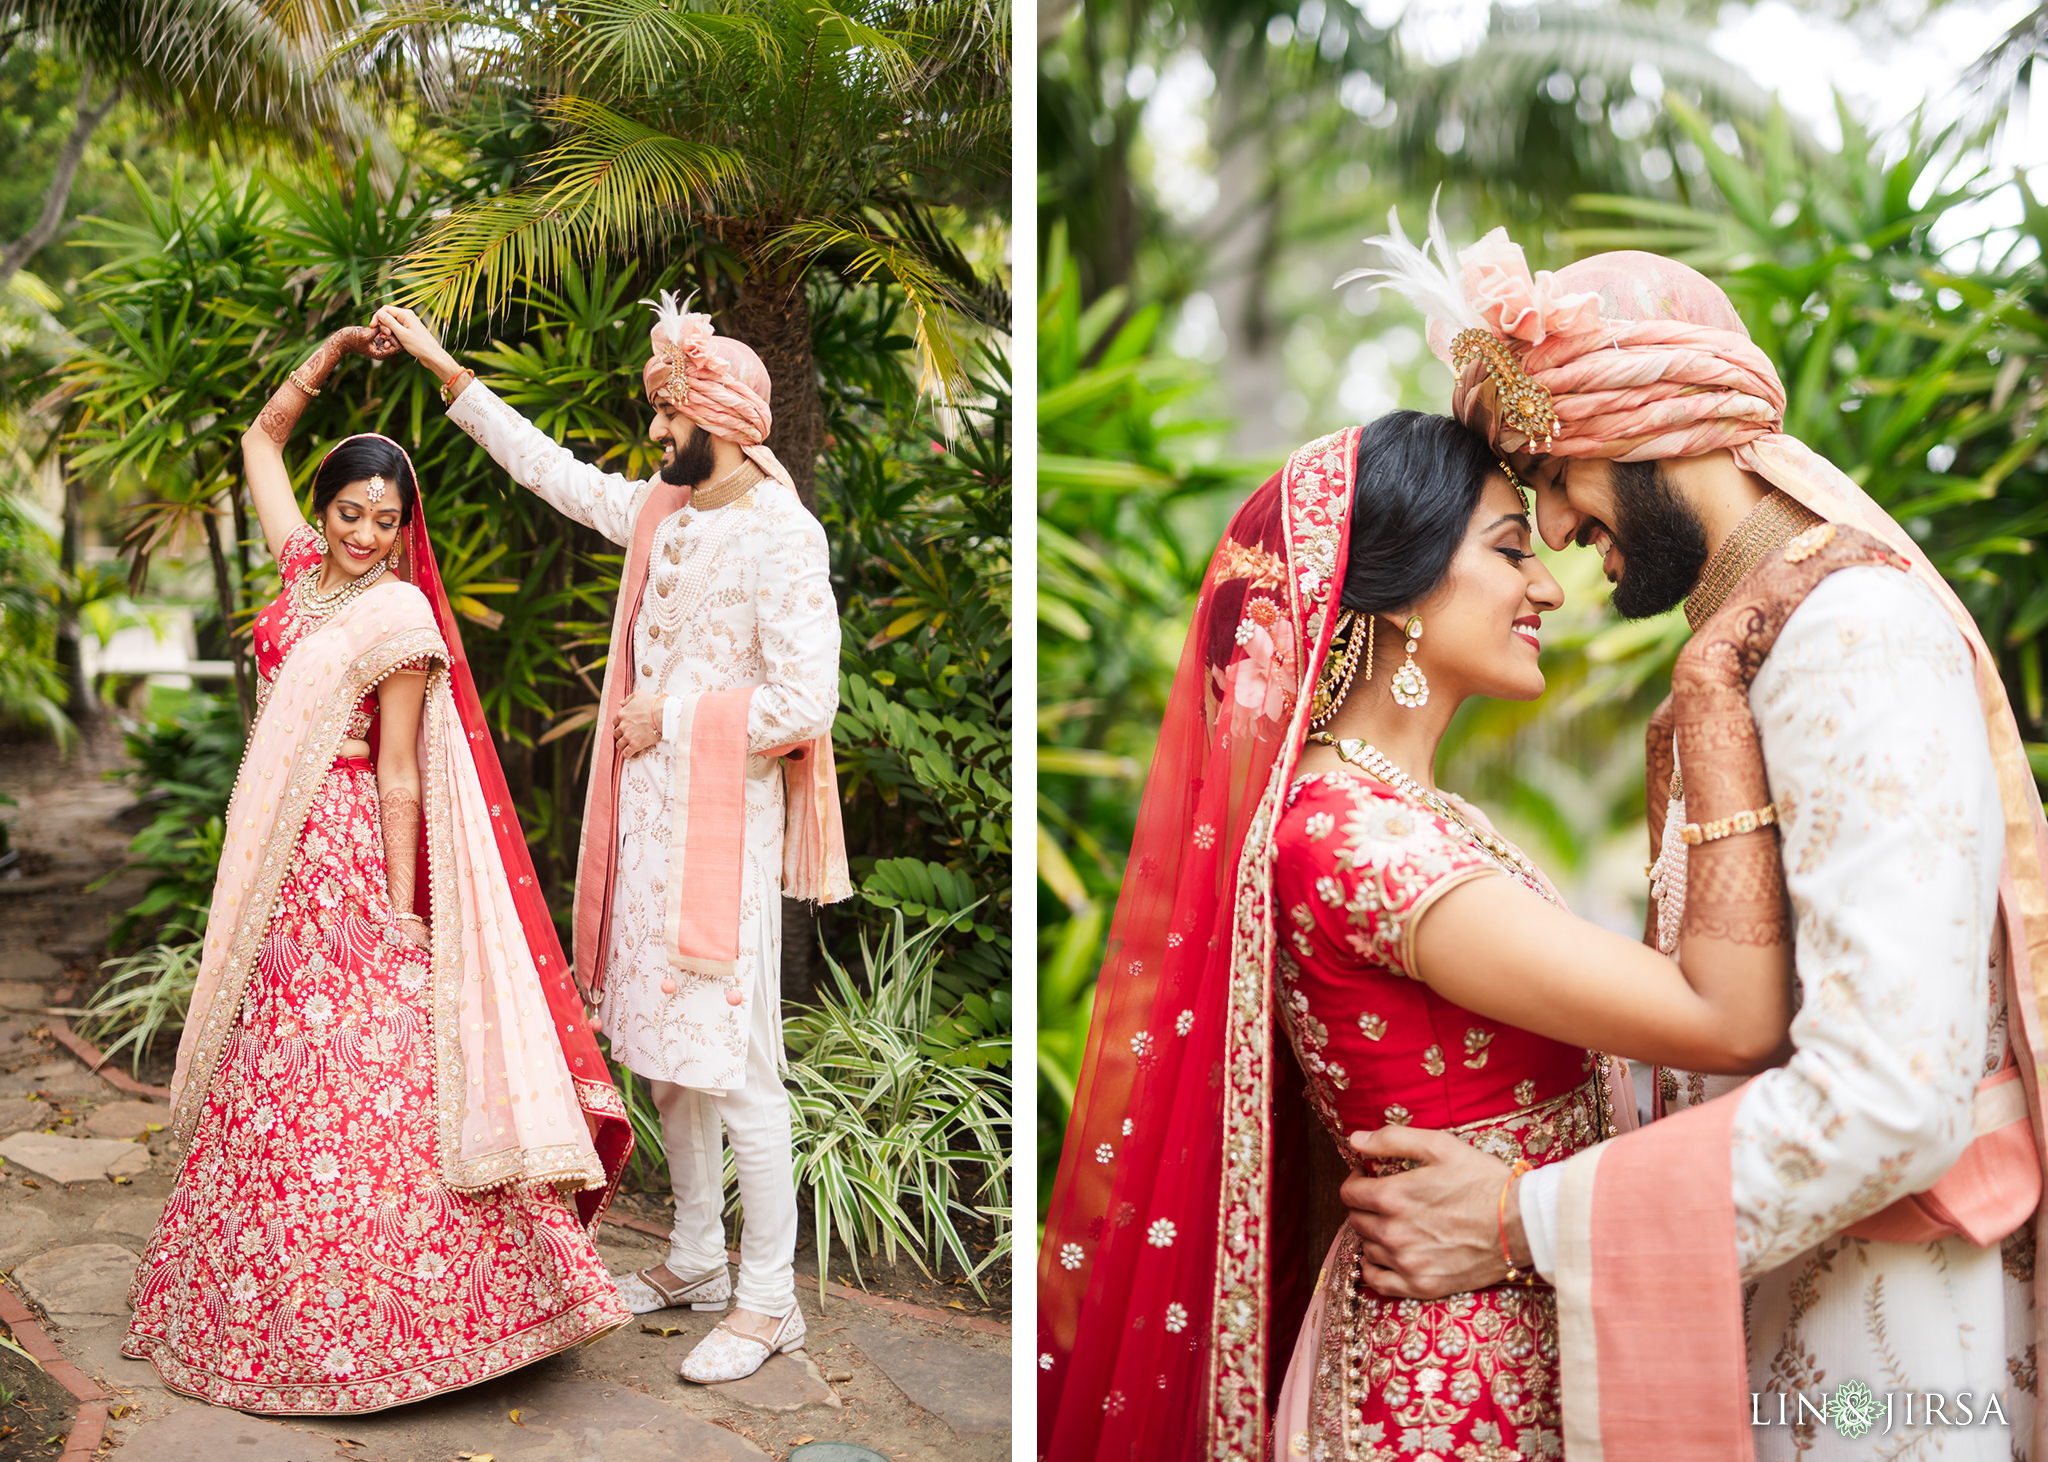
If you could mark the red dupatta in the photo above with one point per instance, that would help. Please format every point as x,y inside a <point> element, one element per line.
<point>1163,1282</point>
<point>595,1092</point>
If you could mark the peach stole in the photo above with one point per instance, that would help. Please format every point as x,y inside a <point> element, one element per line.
<point>707,800</point>
<point>1647,1282</point>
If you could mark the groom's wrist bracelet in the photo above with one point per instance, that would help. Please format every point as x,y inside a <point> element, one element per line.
<point>1695,833</point>
<point>455,383</point>
<point>1515,1276</point>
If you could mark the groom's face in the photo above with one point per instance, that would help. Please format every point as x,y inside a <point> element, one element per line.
<point>1652,543</point>
<point>686,451</point>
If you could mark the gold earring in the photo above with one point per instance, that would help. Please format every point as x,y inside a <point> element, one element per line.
<point>1371,629</point>
<point>1410,688</point>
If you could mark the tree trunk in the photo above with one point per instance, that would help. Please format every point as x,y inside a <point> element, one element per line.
<point>79,703</point>
<point>51,222</point>
<point>224,597</point>
<point>774,317</point>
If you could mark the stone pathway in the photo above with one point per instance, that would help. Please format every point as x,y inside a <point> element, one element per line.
<point>84,1175</point>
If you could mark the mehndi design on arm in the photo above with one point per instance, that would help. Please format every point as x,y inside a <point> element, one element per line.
<point>401,815</point>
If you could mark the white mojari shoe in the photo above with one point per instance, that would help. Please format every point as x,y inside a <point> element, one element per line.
<point>659,1288</point>
<point>727,1355</point>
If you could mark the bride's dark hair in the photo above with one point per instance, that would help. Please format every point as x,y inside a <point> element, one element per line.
<point>1419,479</point>
<point>357,460</point>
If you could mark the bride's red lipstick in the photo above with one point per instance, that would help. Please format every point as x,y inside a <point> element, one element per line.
<point>1527,627</point>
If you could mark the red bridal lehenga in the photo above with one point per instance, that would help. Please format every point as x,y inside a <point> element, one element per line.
<point>315,1256</point>
<point>1188,1306</point>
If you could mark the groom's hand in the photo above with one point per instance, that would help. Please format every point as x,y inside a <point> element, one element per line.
<point>1433,1230</point>
<point>639,724</point>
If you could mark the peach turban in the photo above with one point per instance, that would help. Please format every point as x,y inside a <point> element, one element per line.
<point>1639,357</point>
<point>714,380</point>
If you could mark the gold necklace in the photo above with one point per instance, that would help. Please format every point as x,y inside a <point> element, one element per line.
<point>315,608</point>
<point>1776,519</point>
<point>717,495</point>
<point>1374,762</point>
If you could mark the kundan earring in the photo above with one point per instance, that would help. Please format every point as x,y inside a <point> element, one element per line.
<point>1410,689</point>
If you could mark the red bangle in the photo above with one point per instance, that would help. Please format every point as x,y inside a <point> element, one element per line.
<point>1515,1276</point>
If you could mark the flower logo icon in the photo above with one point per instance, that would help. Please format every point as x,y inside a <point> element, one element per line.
<point>1852,1409</point>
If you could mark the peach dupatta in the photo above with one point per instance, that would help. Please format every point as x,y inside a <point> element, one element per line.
<point>506,1108</point>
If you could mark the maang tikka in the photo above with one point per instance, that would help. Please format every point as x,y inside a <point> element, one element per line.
<point>1409,687</point>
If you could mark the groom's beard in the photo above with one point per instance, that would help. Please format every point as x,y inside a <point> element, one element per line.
<point>691,463</point>
<point>1662,542</point>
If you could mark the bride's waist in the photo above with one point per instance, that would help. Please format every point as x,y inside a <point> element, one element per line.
<point>1539,1132</point>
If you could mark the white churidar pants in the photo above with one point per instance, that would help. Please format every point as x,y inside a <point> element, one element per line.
<point>755,1118</point>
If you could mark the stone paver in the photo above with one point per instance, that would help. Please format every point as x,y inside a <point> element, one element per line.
<point>23,1231</point>
<point>19,1114</point>
<point>968,1389</point>
<point>835,1452</point>
<point>79,1286</point>
<point>58,1078</point>
<point>784,1383</point>
<point>215,1432</point>
<point>19,995</point>
<point>135,1217</point>
<point>28,964</point>
<point>561,1419</point>
<point>127,1119</point>
<point>75,1159</point>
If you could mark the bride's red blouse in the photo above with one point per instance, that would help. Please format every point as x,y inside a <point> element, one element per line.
<point>1356,866</point>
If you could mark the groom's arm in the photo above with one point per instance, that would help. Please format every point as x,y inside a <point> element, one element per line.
<point>797,621</point>
<point>1877,752</point>
<point>536,461</point>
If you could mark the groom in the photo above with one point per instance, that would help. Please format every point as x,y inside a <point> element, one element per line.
<point>712,794</point>
<point>1765,1242</point>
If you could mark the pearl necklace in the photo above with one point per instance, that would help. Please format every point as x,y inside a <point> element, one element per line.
<point>1374,762</point>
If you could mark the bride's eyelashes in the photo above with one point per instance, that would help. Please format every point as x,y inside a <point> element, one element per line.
<point>1514,555</point>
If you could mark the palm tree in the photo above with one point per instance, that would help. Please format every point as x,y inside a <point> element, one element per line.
<point>215,65</point>
<point>753,142</point>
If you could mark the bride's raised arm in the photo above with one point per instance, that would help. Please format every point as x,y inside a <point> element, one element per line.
<point>270,484</point>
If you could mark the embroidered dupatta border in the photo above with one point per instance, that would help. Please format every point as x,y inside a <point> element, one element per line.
<point>564,1163</point>
<point>326,730</point>
<point>1315,514</point>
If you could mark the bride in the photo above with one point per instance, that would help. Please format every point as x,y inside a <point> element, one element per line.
<point>395,1122</point>
<point>1314,940</point>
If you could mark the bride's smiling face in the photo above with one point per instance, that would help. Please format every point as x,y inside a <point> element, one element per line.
<point>1482,626</point>
<point>360,533</point>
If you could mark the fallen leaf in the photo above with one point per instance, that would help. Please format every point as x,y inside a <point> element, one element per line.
<point>800,1441</point>
<point>117,1412</point>
<point>123,1181</point>
<point>955,1305</point>
<point>515,1417</point>
<point>30,1183</point>
<point>349,1442</point>
<point>661,1329</point>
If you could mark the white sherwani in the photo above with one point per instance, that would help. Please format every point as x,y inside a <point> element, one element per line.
<point>736,595</point>
<point>739,595</point>
<point>1875,747</point>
